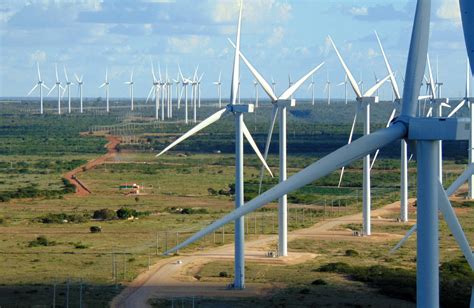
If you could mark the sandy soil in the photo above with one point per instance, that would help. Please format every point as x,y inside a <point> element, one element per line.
<point>81,188</point>
<point>167,278</point>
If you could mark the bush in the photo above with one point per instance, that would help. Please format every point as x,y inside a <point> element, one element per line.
<point>104,214</point>
<point>59,218</point>
<point>338,267</point>
<point>125,213</point>
<point>351,253</point>
<point>95,229</point>
<point>305,291</point>
<point>41,241</point>
<point>319,282</point>
<point>223,274</point>
<point>80,245</point>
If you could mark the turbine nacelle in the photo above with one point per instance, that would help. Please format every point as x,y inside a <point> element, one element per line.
<point>241,108</point>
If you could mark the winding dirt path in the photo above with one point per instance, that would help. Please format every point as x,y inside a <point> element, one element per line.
<point>81,188</point>
<point>168,279</point>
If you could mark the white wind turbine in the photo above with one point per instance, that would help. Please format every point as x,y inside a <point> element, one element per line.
<point>363,102</point>
<point>130,83</point>
<point>106,85</point>
<point>199,89</point>
<point>431,194</point>
<point>59,87</point>
<point>241,130</point>
<point>68,88</point>
<point>185,82</point>
<point>194,93</point>
<point>218,84</point>
<point>80,83</point>
<point>327,88</point>
<point>273,84</point>
<point>311,88</point>
<point>41,85</point>
<point>280,105</point>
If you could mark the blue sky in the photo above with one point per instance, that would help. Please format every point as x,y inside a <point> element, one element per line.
<point>278,36</point>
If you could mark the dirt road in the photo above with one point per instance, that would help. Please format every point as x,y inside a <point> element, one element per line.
<point>167,278</point>
<point>81,188</point>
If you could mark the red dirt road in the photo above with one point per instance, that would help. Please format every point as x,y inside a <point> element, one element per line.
<point>81,188</point>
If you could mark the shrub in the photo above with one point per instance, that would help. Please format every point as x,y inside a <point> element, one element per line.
<point>41,241</point>
<point>197,277</point>
<point>223,274</point>
<point>338,267</point>
<point>319,282</point>
<point>305,291</point>
<point>104,214</point>
<point>124,213</point>
<point>80,245</point>
<point>95,229</point>
<point>351,253</point>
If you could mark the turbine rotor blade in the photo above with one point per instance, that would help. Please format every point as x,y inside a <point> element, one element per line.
<point>389,69</point>
<point>453,223</point>
<point>372,90</point>
<point>34,88</point>
<point>213,118</point>
<point>352,80</point>
<point>459,106</point>
<point>267,142</point>
<point>291,90</point>
<point>392,115</point>
<point>254,146</point>
<point>322,167</point>
<point>236,67</point>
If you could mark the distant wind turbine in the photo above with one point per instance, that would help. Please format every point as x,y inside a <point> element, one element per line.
<point>68,88</point>
<point>59,87</point>
<point>130,84</point>
<point>80,83</point>
<point>41,85</point>
<point>106,85</point>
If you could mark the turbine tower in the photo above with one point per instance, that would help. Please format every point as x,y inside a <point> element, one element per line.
<point>80,83</point>
<point>425,132</point>
<point>363,102</point>
<point>241,130</point>
<point>280,105</point>
<point>130,84</point>
<point>59,87</point>
<point>344,83</point>
<point>255,85</point>
<point>68,88</point>
<point>106,85</point>
<point>185,82</point>
<point>41,85</point>
<point>155,88</point>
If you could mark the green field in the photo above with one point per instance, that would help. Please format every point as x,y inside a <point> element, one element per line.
<point>37,150</point>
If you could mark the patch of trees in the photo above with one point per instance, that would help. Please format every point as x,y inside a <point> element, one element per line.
<point>60,218</point>
<point>32,191</point>
<point>41,241</point>
<point>188,211</point>
<point>122,213</point>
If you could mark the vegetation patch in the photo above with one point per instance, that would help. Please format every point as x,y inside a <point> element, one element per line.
<point>41,241</point>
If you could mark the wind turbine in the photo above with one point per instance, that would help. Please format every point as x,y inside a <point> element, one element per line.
<point>241,130</point>
<point>431,195</point>
<point>199,89</point>
<point>218,84</point>
<point>68,88</point>
<point>363,102</point>
<point>106,85</point>
<point>280,105</point>
<point>80,83</point>
<point>327,88</point>
<point>273,84</point>
<point>467,101</point>
<point>41,85</point>
<point>185,82</point>
<point>290,84</point>
<point>162,87</point>
<point>130,84</point>
<point>311,88</point>
<point>59,87</point>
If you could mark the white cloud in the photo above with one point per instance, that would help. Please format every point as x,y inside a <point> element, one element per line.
<point>255,11</point>
<point>371,53</point>
<point>38,56</point>
<point>187,44</point>
<point>359,11</point>
<point>449,10</point>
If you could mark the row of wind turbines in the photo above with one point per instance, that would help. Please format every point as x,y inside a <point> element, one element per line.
<point>424,131</point>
